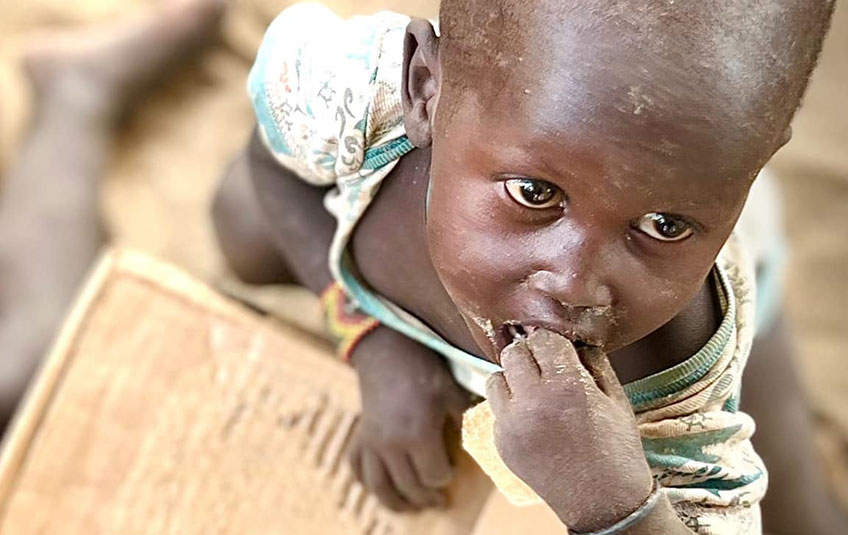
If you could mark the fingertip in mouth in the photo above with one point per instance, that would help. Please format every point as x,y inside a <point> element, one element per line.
<point>513,331</point>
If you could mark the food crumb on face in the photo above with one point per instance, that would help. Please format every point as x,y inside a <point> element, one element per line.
<point>486,325</point>
<point>639,100</point>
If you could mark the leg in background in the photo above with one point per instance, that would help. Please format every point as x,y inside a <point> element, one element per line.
<point>50,228</point>
<point>798,500</point>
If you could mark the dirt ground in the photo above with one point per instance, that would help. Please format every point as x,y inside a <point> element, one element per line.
<point>173,148</point>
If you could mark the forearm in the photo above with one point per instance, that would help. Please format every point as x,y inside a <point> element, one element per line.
<point>302,230</point>
<point>385,355</point>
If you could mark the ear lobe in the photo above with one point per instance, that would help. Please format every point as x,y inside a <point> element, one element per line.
<point>421,76</point>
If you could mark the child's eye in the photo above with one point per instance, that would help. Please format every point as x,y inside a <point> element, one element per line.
<point>532,193</point>
<point>665,227</point>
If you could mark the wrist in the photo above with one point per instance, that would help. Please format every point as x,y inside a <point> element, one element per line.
<point>656,515</point>
<point>345,322</point>
<point>625,522</point>
<point>371,351</point>
<point>662,519</point>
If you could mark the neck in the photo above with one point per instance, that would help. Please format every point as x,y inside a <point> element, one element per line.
<point>390,250</point>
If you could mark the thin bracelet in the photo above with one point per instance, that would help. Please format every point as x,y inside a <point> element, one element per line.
<point>633,518</point>
<point>347,324</point>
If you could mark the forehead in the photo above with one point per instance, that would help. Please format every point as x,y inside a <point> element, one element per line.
<point>619,148</point>
<point>632,111</point>
<point>667,80</point>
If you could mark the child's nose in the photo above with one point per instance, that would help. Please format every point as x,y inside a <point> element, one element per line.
<point>573,286</point>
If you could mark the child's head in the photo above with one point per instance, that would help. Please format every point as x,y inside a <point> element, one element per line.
<point>590,158</point>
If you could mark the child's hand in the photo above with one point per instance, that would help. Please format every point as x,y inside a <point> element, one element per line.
<point>564,426</point>
<point>408,397</point>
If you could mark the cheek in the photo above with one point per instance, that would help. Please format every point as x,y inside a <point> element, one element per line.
<point>649,300</point>
<point>470,247</point>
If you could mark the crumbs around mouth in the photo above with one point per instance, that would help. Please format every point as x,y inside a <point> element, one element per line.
<point>513,331</point>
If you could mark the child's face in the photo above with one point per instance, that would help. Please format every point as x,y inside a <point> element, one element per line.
<point>592,216</point>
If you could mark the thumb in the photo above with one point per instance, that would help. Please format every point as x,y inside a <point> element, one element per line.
<point>597,363</point>
<point>458,401</point>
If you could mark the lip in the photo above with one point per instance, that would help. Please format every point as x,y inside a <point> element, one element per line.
<point>503,335</point>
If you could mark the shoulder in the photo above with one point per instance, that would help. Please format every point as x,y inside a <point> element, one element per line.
<point>313,32</point>
<point>314,89</point>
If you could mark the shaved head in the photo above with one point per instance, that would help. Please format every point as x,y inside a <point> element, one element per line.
<point>745,61</point>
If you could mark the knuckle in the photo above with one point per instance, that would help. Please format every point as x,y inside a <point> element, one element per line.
<point>507,447</point>
<point>506,437</point>
<point>437,478</point>
<point>381,486</point>
<point>393,504</point>
<point>409,434</point>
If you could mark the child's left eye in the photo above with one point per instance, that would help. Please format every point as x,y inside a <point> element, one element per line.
<point>533,193</point>
<point>665,227</point>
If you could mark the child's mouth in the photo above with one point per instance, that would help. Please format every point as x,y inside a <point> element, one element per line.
<point>514,331</point>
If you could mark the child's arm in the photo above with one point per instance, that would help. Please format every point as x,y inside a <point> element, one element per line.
<point>408,398</point>
<point>408,394</point>
<point>798,500</point>
<point>585,458</point>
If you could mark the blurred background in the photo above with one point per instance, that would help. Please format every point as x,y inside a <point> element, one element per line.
<point>172,149</point>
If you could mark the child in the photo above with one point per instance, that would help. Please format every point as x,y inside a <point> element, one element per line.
<point>556,184</point>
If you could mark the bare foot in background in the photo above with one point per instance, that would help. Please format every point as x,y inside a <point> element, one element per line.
<point>110,64</point>
<point>50,228</point>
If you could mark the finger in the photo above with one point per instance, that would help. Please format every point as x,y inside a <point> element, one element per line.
<point>377,481</point>
<point>597,363</point>
<point>497,392</point>
<point>407,483</point>
<point>432,463</point>
<point>554,354</point>
<point>458,401</point>
<point>355,459</point>
<point>519,366</point>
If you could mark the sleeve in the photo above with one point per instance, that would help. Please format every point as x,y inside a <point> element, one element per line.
<point>311,87</point>
<point>760,229</point>
<point>709,470</point>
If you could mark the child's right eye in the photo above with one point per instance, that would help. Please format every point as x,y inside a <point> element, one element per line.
<point>534,193</point>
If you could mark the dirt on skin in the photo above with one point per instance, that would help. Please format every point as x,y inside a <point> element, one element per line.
<point>169,156</point>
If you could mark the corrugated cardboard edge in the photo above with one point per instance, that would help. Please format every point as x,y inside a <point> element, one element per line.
<point>113,264</point>
<point>29,416</point>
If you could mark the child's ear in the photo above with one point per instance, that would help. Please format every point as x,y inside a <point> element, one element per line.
<point>421,77</point>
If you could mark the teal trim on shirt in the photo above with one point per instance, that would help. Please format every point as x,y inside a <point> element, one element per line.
<point>643,392</point>
<point>377,157</point>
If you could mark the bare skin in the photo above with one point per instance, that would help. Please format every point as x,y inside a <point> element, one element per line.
<point>546,366</point>
<point>50,228</point>
<point>645,277</point>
